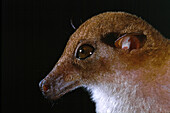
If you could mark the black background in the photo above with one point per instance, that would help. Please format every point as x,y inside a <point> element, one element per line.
<point>33,36</point>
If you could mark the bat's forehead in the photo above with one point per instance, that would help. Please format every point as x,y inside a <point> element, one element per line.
<point>116,22</point>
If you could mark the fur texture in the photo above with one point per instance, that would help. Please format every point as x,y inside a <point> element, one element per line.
<point>119,80</point>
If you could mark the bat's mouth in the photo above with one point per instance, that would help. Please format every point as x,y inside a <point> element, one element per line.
<point>54,89</point>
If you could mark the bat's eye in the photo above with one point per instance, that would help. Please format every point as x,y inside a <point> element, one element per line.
<point>84,51</point>
<point>128,42</point>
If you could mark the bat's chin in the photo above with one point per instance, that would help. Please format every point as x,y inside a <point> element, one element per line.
<point>54,90</point>
<point>60,91</point>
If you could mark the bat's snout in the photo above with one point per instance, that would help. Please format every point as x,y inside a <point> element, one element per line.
<point>57,83</point>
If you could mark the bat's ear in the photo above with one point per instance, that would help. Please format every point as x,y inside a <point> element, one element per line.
<point>130,41</point>
<point>127,41</point>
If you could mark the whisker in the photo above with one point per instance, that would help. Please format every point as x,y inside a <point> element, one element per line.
<point>71,22</point>
<point>52,103</point>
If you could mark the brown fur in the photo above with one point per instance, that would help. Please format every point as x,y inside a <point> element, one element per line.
<point>147,67</point>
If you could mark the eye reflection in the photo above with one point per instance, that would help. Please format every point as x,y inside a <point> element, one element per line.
<point>84,51</point>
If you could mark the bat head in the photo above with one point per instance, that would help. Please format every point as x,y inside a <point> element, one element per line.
<point>103,49</point>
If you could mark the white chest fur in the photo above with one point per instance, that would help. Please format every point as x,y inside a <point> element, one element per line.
<point>111,100</point>
<point>115,99</point>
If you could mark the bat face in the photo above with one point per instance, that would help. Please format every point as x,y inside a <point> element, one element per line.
<point>102,49</point>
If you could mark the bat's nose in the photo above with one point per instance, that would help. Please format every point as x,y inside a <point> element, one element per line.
<point>43,87</point>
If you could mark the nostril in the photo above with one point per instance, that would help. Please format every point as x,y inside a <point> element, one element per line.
<point>44,87</point>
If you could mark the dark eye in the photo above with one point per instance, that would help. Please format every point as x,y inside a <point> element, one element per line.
<point>84,51</point>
